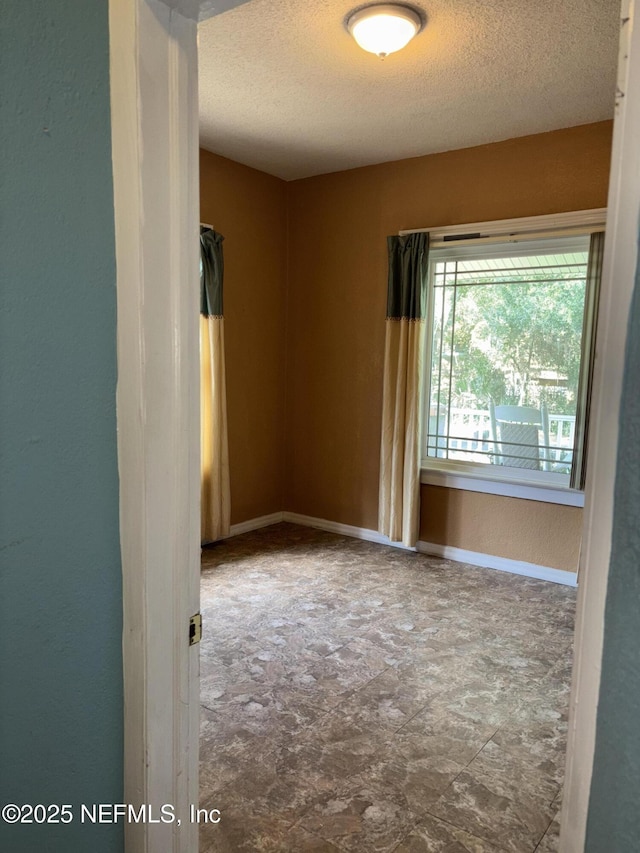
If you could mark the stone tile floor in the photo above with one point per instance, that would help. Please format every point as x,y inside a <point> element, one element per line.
<point>361,698</point>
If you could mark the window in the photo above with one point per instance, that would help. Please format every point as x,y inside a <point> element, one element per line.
<point>510,330</point>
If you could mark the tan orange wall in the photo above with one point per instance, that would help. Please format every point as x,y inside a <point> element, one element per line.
<point>519,530</point>
<point>338,226</point>
<point>249,208</point>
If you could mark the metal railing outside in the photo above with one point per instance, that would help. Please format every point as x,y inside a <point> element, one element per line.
<point>467,437</point>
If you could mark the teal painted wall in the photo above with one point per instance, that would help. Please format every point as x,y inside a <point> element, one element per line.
<point>614,807</point>
<point>61,737</point>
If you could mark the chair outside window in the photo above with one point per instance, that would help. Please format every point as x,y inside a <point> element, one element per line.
<point>520,436</point>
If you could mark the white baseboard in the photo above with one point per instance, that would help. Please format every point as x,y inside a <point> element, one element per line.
<point>255,523</point>
<point>344,529</point>
<point>502,564</point>
<point>447,552</point>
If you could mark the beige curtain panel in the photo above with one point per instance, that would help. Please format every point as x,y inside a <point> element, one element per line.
<point>215,506</point>
<point>399,499</point>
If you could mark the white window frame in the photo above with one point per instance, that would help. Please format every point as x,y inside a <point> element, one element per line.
<point>467,476</point>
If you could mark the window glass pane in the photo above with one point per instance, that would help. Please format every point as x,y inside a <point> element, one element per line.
<point>505,359</point>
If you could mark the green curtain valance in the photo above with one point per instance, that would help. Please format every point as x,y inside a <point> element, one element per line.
<point>211,272</point>
<point>408,257</point>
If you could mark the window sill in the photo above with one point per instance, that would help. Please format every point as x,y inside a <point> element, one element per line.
<point>472,482</point>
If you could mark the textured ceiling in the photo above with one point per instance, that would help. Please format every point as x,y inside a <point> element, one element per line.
<point>284,88</point>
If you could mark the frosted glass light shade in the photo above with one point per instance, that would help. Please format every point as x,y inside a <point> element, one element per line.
<point>384,29</point>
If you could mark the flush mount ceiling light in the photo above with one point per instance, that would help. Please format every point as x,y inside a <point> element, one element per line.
<point>383,29</point>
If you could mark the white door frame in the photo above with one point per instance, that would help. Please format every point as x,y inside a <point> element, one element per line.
<point>154,97</point>
<point>154,110</point>
<point>618,276</point>
<point>154,113</point>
